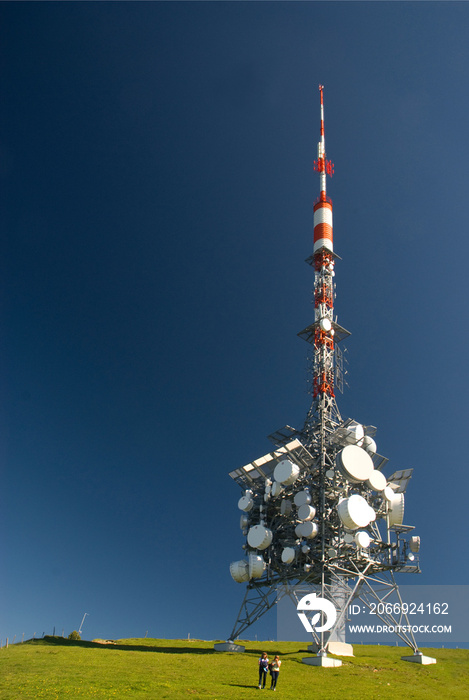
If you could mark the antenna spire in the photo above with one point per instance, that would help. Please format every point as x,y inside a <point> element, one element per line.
<point>323,205</point>
<point>321,165</point>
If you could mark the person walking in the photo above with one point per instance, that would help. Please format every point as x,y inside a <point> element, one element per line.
<point>263,668</point>
<point>274,671</point>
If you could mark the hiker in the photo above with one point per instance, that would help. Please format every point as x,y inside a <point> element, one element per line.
<point>274,671</point>
<point>263,668</point>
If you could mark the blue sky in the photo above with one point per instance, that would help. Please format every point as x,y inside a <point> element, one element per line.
<point>156,209</point>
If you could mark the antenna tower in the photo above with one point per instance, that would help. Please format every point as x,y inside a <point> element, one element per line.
<point>317,511</point>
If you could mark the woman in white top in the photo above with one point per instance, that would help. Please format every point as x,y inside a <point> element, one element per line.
<point>274,671</point>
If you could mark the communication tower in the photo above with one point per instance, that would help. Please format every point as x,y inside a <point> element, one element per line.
<point>317,511</point>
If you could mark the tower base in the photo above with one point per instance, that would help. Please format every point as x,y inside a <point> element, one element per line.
<point>324,661</point>
<point>229,646</point>
<point>336,648</point>
<point>419,658</point>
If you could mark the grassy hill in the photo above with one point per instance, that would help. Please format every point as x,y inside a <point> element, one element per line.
<point>54,668</point>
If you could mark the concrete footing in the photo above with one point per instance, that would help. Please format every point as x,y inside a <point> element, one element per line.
<point>419,658</point>
<point>229,646</point>
<point>324,661</point>
<point>337,648</point>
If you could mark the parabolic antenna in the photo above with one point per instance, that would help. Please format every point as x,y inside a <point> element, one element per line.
<point>302,498</point>
<point>288,555</point>
<point>243,521</point>
<point>286,472</point>
<point>369,445</point>
<point>355,434</point>
<point>354,463</point>
<point>306,512</point>
<point>276,489</point>
<point>239,571</point>
<point>388,494</point>
<point>354,512</point>
<point>256,566</point>
<point>376,480</point>
<point>362,539</point>
<point>396,509</point>
<point>245,503</point>
<point>309,530</point>
<point>372,515</point>
<point>259,537</point>
<point>325,325</point>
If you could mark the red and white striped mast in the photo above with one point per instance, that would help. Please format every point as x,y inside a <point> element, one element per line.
<point>323,380</point>
<point>324,333</point>
<point>323,207</point>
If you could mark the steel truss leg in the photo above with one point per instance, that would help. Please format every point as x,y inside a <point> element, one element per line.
<point>256,603</point>
<point>260,599</point>
<point>385,586</point>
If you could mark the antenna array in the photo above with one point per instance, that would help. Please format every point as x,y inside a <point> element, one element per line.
<point>318,510</point>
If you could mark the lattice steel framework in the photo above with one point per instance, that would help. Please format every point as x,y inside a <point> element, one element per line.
<point>298,499</point>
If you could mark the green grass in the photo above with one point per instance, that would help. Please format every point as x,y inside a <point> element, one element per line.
<point>155,669</point>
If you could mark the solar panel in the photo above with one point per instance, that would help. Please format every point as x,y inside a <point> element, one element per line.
<point>263,467</point>
<point>400,480</point>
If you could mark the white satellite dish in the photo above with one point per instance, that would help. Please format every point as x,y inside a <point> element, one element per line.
<point>369,445</point>
<point>243,521</point>
<point>354,512</point>
<point>276,489</point>
<point>259,537</point>
<point>288,555</point>
<point>256,566</point>
<point>414,543</point>
<point>362,539</point>
<point>354,434</point>
<point>396,509</point>
<point>308,530</point>
<point>306,512</point>
<point>376,480</point>
<point>302,498</point>
<point>239,571</point>
<point>286,472</point>
<point>388,494</point>
<point>325,325</point>
<point>245,503</point>
<point>354,463</point>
